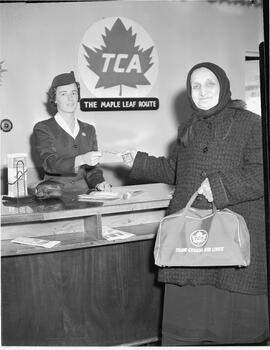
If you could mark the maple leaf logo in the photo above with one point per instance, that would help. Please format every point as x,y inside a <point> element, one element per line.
<point>119,61</point>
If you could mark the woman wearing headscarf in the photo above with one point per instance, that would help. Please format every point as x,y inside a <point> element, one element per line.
<point>67,147</point>
<point>219,152</point>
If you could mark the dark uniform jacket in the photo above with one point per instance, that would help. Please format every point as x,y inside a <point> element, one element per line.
<point>57,151</point>
<point>227,149</point>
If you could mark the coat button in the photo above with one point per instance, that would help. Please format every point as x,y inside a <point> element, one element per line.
<point>203,173</point>
<point>75,146</point>
<point>205,149</point>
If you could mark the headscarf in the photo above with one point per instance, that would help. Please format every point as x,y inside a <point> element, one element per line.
<point>224,100</point>
<point>224,94</point>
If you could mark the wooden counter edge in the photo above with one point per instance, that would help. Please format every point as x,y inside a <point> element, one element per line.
<point>81,241</point>
<point>108,208</point>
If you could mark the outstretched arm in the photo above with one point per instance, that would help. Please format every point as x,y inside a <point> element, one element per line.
<point>158,169</point>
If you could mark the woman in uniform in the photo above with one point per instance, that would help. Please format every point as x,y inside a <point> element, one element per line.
<point>67,147</point>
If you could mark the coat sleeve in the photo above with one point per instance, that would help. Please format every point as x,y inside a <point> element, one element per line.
<point>52,162</point>
<point>93,174</point>
<point>243,183</point>
<point>94,140</point>
<point>157,169</point>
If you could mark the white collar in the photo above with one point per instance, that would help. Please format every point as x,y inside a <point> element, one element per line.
<point>61,122</point>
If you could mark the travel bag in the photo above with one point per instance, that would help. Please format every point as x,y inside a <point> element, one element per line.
<point>198,237</point>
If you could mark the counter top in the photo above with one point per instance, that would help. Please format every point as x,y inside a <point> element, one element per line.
<point>79,240</point>
<point>78,224</point>
<point>144,197</point>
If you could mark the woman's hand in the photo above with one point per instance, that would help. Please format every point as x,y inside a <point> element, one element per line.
<point>104,186</point>
<point>205,189</point>
<point>92,158</point>
<point>128,157</point>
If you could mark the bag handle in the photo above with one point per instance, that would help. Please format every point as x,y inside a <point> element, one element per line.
<point>192,199</point>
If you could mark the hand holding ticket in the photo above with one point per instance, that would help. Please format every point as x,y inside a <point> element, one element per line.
<point>128,157</point>
<point>92,158</point>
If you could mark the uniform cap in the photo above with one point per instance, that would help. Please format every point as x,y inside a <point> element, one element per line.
<point>63,79</point>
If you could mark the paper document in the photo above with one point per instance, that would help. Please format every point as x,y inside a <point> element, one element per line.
<point>111,234</point>
<point>111,157</point>
<point>103,196</point>
<point>99,195</point>
<point>35,242</point>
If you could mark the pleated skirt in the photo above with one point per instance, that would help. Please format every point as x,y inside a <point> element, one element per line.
<point>205,315</point>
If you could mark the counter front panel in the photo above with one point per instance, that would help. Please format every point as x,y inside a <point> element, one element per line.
<point>85,291</point>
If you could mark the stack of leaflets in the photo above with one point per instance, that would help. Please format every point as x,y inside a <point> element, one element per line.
<point>110,234</point>
<point>35,242</point>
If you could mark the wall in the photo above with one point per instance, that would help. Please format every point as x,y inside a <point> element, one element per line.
<point>41,40</point>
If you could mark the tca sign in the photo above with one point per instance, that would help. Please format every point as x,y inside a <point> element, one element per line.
<point>117,58</point>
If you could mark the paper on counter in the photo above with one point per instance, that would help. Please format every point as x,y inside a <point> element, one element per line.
<point>110,234</point>
<point>99,195</point>
<point>35,242</point>
<point>102,195</point>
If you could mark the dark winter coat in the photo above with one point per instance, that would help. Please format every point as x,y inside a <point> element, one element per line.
<point>226,149</point>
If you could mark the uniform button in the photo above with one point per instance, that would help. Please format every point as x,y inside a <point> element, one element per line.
<point>203,173</point>
<point>205,149</point>
<point>199,198</point>
<point>75,146</point>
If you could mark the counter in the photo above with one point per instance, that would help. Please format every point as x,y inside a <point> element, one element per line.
<point>86,290</point>
<point>79,223</point>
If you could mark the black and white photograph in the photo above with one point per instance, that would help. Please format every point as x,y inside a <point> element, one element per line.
<point>135,173</point>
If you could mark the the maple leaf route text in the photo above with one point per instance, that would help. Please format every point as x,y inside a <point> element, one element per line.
<point>119,61</point>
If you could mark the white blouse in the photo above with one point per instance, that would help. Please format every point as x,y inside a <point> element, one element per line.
<point>61,122</point>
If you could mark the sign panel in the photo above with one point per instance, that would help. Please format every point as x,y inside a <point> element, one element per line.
<point>118,60</point>
<point>118,104</point>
